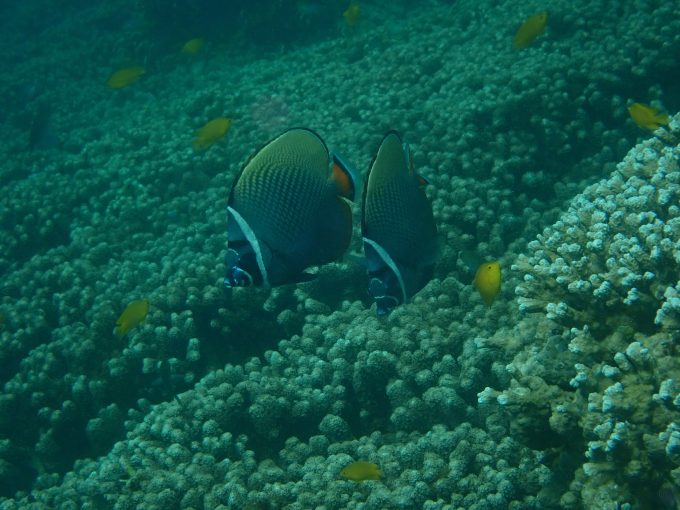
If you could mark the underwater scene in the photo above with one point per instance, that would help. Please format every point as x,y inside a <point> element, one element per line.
<point>325,254</point>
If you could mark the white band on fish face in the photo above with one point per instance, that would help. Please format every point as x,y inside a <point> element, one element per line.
<point>390,263</point>
<point>252,239</point>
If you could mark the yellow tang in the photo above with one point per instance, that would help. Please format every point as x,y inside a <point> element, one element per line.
<point>532,27</point>
<point>124,77</point>
<point>211,132</point>
<point>193,46</point>
<point>647,117</point>
<point>133,314</point>
<point>351,14</point>
<point>488,281</point>
<point>361,470</point>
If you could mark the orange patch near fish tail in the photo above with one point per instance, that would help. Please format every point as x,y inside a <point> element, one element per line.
<point>532,27</point>
<point>343,176</point>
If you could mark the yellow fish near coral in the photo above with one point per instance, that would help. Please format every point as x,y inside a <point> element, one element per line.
<point>361,470</point>
<point>532,27</point>
<point>133,314</point>
<point>124,77</point>
<point>351,14</point>
<point>488,281</point>
<point>647,117</point>
<point>193,46</point>
<point>211,132</point>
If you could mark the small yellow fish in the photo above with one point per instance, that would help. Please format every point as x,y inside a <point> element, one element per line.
<point>211,132</point>
<point>361,470</point>
<point>532,27</point>
<point>647,117</point>
<point>488,281</point>
<point>124,77</point>
<point>351,14</point>
<point>193,46</point>
<point>133,314</point>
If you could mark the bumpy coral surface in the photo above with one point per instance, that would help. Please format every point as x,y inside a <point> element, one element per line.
<point>256,399</point>
<point>607,273</point>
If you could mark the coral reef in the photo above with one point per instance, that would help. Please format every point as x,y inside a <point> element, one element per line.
<point>276,433</point>
<point>605,276</point>
<point>615,252</point>
<point>250,399</point>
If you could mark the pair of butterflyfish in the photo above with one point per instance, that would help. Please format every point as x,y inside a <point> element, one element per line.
<point>288,211</point>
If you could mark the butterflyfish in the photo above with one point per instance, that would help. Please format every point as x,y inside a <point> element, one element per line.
<point>124,77</point>
<point>532,27</point>
<point>193,46</point>
<point>211,132</point>
<point>361,471</point>
<point>397,226</point>
<point>351,14</point>
<point>133,314</point>
<point>488,281</point>
<point>287,211</point>
<point>647,117</point>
